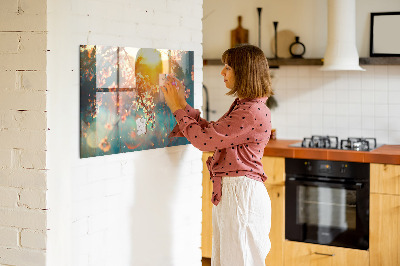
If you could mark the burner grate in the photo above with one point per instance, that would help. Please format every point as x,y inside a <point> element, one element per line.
<point>327,142</point>
<point>332,142</point>
<point>358,144</point>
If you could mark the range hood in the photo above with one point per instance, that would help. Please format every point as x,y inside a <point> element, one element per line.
<point>341,51</point>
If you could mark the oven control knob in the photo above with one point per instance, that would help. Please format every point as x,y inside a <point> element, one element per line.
<point>343,168</point>
<point>308,166</point>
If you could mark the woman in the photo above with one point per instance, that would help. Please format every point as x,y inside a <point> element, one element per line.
<point>242,208</point>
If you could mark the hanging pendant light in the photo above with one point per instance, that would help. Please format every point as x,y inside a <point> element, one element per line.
<point>341,51</point>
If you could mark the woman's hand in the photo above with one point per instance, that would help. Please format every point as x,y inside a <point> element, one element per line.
<point>174,94</point>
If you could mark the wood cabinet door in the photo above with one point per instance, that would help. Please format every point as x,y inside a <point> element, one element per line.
<point>274,168</point>
<point>277,233</point>
<point>206,225</point>
<point>384,236</point>
<point>304,254</point>
<point>385,178</point>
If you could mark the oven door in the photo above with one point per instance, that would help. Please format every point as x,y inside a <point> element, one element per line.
<point>327,213</point>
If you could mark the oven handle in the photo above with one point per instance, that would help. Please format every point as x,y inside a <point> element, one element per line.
<point>357,185</point>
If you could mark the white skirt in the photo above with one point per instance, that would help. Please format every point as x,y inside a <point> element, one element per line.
<point>241,223</point>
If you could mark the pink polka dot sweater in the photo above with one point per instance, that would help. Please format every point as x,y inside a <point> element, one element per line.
<point>238,139</point>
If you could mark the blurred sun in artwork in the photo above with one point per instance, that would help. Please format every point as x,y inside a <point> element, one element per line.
<point>151,57</point>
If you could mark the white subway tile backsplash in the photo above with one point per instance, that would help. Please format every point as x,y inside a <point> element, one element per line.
<point>329,93</point>
<point>382,136</point>
<point>380,71</point>
<point>346,103</point>
<point>316,82</point>
<point>367,122</point>
<point>381,110</point>
<point>342,109</point>
<point>394,123</point>
<point>367,96</point>
<point>381,84</point>
<point>381,122</point>
<point>394,97</point>
<point>394,137</point>
<point>381,97</point>
<point>342,133</point>
<point>367,110</point>
<point>355,122</point>
<point>304,72</point>
<point>354,80</point>
<point>316,72</point>
<point>291,71</point>
<point>394,83</point>
<point>342,96</point>
<point>355,132</point>
<point>317,120</point>
<point>328,74</point>
<point>355,96</point>
<point>329,109</point>
<point>393,71</point>
<point>355,109</point>
<point>303,82</point>
<point>342,81</point>
<point>394,110</point>
<point>329,122</point>
<point>342,122</point>
<point>367,133</point>
<point>292,83</point>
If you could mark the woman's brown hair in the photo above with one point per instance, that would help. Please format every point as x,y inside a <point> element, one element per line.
<point>250,66</point>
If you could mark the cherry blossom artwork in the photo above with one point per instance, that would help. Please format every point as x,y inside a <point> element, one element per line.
<point>122,108</point>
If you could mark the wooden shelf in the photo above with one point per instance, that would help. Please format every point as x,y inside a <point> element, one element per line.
<point>380,61</point>
<point>274,63</point>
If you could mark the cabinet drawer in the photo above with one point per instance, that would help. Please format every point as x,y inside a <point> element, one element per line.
<point>304,254</point>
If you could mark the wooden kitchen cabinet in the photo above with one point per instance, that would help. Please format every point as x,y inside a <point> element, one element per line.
<point>305,254</point>
<point>385,178</point>
<point>385,215</point>
<point>274,168</point>
<point>206,225</point>
<point>277,233</point>
<point>384,236</point>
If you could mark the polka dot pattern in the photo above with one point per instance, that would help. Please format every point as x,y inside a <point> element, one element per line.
<point>238,139</point>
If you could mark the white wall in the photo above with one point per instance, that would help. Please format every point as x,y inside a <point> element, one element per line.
<point>23,133</point>
<point>311,102</point>
<point>306,19</point>
<point>139,208</point>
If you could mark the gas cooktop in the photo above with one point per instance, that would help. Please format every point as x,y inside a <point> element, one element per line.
<point>332,142</point>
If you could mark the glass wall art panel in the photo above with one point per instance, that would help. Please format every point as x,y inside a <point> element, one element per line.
<point>122,108</point>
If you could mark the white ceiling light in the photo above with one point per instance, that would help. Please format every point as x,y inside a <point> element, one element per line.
<point>341,51</point>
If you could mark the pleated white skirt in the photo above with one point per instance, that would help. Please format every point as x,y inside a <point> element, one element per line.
<point>241,223</point>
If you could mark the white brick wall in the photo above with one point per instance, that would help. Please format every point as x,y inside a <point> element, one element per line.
<point>23,132</point>
<point>139,208</point>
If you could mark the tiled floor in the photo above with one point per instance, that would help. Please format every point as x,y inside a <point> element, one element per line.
<point>206,261</point>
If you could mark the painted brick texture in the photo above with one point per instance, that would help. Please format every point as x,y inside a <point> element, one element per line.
<point>138,208</point>
<point>23,125</point>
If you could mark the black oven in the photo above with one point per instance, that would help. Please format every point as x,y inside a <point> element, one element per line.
<point>327,202</point>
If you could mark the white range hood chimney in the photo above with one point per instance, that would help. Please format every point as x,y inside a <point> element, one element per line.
<point>341,51</point>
